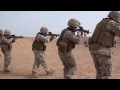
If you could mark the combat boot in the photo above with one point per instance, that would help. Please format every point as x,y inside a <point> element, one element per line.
<point>67,77</point>
<point>106,77</point>
<point>50,72</point>
<point>34,75</point>
<point>6,69</point>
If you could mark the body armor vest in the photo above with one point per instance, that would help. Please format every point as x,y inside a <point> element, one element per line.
<point>102,35</point>
<point>39,46</point>
<point>64,45</point>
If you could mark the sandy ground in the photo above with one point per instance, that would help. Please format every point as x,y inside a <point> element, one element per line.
<point>23,58</point>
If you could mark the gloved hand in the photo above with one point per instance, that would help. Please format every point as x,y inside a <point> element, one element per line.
<point>46,44</point>
<point>11,39</point>
<point>48,38</point>
<point>78,34</point>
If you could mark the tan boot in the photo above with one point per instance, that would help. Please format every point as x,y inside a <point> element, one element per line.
<point>50,72</point>
<point>34,75</point>
<point>6,69</point>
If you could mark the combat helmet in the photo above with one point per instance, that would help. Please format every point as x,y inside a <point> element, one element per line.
<point>44,30</point>
<point>1,31</point>
<point>7,32</point>
<point>73,23</point>
<point>115,15</point>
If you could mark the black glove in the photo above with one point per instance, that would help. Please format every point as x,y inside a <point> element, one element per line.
<point>13,40</point>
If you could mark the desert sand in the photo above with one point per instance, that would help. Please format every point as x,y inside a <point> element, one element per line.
<point>23,59</point>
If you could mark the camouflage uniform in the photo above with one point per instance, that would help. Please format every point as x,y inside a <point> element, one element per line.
<point>1,33</point>
<point>39,48</point>
<point>101,42</point>
<point>6,47</point>
<point>66,43</point>
<point>86,41</point>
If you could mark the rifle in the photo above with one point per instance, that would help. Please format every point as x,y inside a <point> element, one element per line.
<point>83,30</point>
<point>50,33</point>
<point>13,36</point>
<point>1,35</point>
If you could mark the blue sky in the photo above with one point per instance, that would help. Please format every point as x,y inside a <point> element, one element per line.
<point>28,23</point>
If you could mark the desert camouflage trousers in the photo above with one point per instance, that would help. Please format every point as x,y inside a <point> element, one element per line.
<point>39,60</point>
<point>103,65</point>
<point>7,58</point>
<point>68,63</point>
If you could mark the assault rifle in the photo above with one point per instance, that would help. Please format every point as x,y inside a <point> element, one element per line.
<point>13,36</point>
<point>50,33</point>
<point>52,36</point>
<point>83,30</point>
